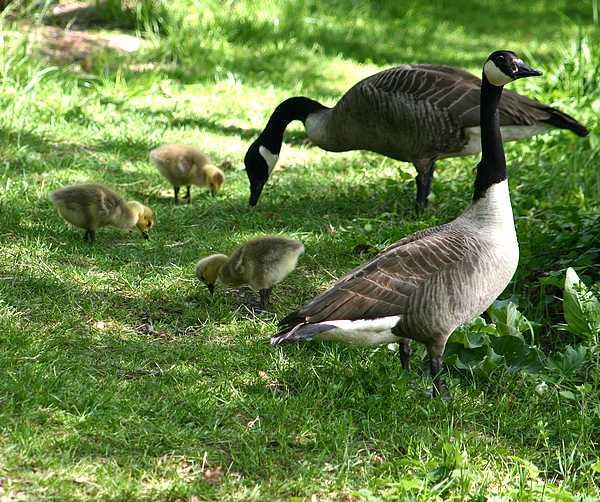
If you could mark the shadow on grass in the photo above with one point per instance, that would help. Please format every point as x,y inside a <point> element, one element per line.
<point>57,153</point>
<point>206,123</point>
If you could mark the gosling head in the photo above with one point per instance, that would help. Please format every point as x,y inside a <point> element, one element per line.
<point>226,165</point>
<point>503,67</point>
<point>145,217</point>
<point>207,270</point>
<point>215,178</point>
<point>259,162</point>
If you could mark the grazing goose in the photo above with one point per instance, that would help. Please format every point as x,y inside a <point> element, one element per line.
<point>427,284</point>
<point>259,263</point>
<point>183,165</point>
<point>415,113</point>
<point>91,206</point>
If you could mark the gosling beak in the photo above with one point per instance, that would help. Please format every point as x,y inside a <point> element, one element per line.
<point>213,193</point>
<point>524,70</point>
<point>145,235</point>
<point>211,288</point>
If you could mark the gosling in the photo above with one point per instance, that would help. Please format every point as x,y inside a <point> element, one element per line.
<point>92,206</point>
<point>259,263</point>
<point>183,165</point>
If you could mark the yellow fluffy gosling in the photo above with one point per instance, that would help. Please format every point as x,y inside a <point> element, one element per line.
<point>91,206</point>
<point>183,165</point>
<point>260,264</point>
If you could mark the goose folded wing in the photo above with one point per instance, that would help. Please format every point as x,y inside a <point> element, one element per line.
<point>516,109</point>
<point>384,287</point>
<point>454,91</point>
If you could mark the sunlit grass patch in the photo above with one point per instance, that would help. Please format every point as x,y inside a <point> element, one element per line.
<point>121,377</point>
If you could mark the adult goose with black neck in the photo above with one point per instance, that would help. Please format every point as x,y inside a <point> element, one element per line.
<point>415,113</point>
<point>426,285</point>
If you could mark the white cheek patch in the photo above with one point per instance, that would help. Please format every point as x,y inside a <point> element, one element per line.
<point>270,158</point>
<point>495,75</point>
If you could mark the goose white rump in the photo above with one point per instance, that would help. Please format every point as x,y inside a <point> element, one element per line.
<point>361,332</point>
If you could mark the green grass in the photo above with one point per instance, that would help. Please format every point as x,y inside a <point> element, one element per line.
<point>96,403</point>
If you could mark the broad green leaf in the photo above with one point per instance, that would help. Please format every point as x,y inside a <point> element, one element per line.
<point>581,307</point>
<point>569,361</point>
<point>508,319</point>
<point>469,340</point>
<point>516,353</point>
<point>567,394</point>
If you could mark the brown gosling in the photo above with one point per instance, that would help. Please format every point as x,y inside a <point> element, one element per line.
<point>91,206</point>
<point>183,165</point>
<point>259,263</point>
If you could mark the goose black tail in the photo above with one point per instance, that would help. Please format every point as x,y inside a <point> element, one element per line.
<point>296,328</point>
<point>562,120</point>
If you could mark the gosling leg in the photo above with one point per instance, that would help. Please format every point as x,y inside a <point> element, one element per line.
<point>176,192</point>
<point>188,195</point>
<point>265,297</point>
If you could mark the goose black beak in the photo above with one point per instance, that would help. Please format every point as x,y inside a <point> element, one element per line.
<point>255,191</point>
<point>211,288</point>
<point>524,70</point>
<point>145,235</point>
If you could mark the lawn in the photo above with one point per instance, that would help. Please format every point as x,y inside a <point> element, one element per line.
<point>120,377</point>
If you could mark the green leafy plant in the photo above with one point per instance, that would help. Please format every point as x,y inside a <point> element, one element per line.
<point>581,308</point>
<point>569,361</point>
<point>481,347</point>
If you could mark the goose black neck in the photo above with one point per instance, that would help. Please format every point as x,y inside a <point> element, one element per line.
<point>297,108</point>
<point>492,168</point>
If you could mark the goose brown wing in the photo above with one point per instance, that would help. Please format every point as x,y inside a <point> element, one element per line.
<point>463,98</point>
<point>435,102</point>
<point>386,285</point>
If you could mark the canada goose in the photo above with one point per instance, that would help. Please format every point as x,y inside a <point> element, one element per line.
<point>414,113</point>
<point>183,165</point>
<point>427,284</point>
<point>91,206</point>
<point>260,263</point>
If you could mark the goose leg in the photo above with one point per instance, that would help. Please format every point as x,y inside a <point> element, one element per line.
<point>423,180</point>
<point>188,194</point>
<point>405,352</point>
<point>176,192</point>
<point>265,296</point>
<point>435,361</point>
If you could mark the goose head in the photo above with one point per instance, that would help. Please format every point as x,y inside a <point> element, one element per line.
<point>259,162</point>
<point>207,270</point>
<point>503,67</point>
<point>144,217</point>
